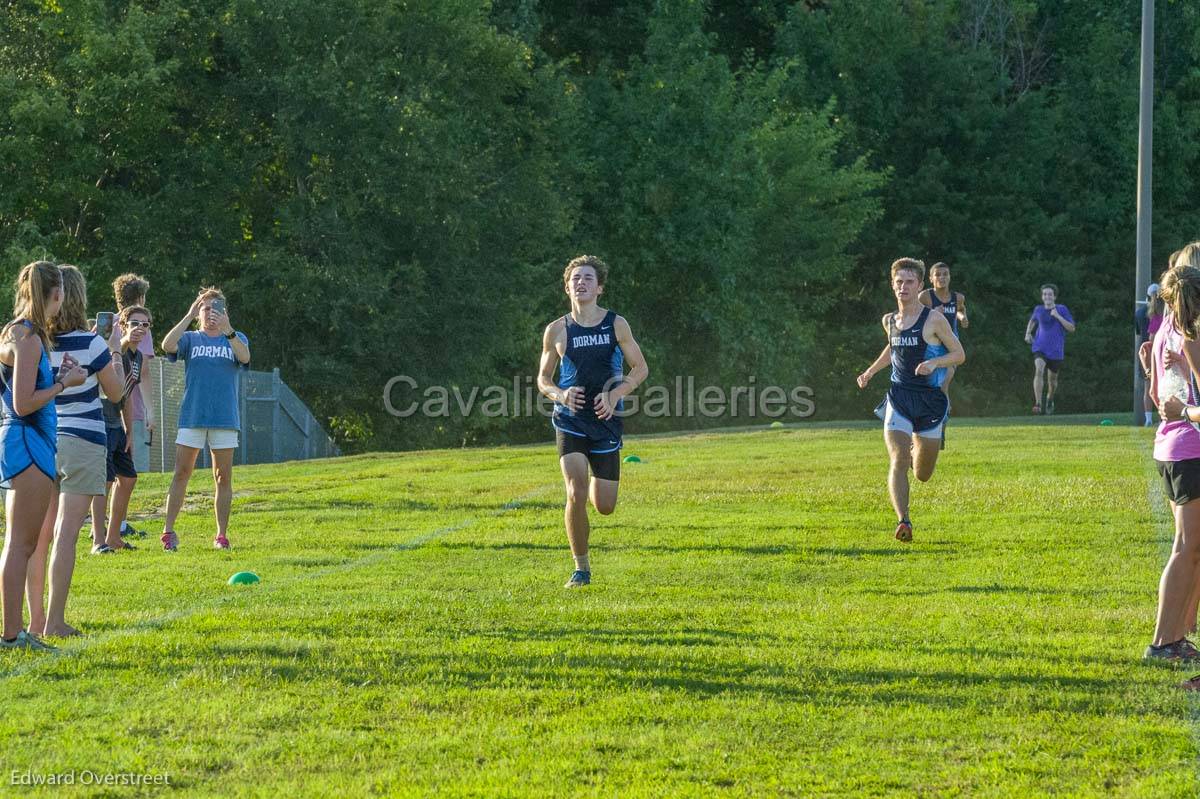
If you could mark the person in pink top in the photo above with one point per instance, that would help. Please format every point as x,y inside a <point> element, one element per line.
<point>1175,355</point>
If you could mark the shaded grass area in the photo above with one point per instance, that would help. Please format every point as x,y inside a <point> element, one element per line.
<point>752,629</point>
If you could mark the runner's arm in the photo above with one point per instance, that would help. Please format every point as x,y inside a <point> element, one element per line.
<point>1067,324</point>
<point>945,336</point>
<point>1029,328</point>
<point>638,369</point>
<point>962,312</point>
<point>923,298</point>
<point>571,397</point>
<point>884,357</point>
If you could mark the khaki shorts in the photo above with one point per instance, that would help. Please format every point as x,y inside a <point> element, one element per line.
<point>81,467</point>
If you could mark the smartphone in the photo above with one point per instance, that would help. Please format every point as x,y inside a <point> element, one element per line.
<point>104,324</point>
<point>150,439</point>
<point>218,306</point>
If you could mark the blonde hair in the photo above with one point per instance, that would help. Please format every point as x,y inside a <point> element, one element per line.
<point>910,265</point>
<point>73,313</point>
<point>1188,256</point>
<point>35,283</point>
<point>1180,292</point>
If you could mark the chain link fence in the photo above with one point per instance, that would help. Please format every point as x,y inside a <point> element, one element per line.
<point>276,425</point>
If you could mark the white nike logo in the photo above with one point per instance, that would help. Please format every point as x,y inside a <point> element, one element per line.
<point>606,327</point>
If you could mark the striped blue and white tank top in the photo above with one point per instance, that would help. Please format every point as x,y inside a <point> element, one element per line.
<point>79,411</point>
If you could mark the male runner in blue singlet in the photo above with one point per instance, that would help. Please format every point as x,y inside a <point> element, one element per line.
<point>920,345</point>
<point>951,303</point>
<point>590,346</point>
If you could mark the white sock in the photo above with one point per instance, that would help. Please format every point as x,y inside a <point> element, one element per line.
<point>124,526</point>
<point>581,563</point>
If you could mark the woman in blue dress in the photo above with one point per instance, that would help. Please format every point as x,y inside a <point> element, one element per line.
<point>28,428</point>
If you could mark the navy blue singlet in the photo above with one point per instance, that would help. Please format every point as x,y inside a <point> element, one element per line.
<point>591,360</point>
<point>909,349</point>
<point>948,308</point>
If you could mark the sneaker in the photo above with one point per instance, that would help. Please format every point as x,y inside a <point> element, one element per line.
<point>26,641</point>
<point>904,532</point>
<point>1049,407</point>
<point>221,542</point>
<point>170,541</point>
<point>102,549</point>
<point>1179,652</point>
<point>1037,409</point>
<point>129,531</point>
<point>579,579</point>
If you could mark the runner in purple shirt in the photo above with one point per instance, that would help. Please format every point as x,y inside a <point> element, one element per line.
<point>1052,322</point>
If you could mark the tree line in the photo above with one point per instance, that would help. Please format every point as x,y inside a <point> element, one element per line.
<point>392,188</point>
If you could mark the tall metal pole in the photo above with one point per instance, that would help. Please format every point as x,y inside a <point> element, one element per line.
<point>1145,193</point>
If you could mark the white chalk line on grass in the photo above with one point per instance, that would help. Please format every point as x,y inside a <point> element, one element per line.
<point>36,661</point>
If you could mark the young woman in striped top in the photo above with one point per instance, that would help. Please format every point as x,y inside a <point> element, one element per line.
<point>80,460</point>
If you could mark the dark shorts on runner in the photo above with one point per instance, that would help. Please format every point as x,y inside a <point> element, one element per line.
<point>911,411</point>
<point>1053,364</point>
<point>599,441</point>
<point>1181,479</point>
<point>119,462</point>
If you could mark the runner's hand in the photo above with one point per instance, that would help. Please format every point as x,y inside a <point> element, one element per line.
<point>1028,338</point>
<point>605,406</point>
<point>1170,358</point>
<point>926,368</point>
<point>863,379</point>
<point>573,398</point>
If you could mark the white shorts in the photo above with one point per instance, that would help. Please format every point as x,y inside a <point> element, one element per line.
<point>898,422</point>
<point>207,438</point>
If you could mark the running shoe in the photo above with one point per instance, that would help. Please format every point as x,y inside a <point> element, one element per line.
<point>1181,651</point>
<point>1049,407</point>
<point>579,579</point>
<point>221,542</point>
<point>1037,409</point>
<point>904,532</point>
<point>102,549</point>
<point>170,541</point>
<point>26,641</point>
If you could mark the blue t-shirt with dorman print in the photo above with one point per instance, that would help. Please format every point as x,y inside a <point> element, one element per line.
<point>210,384</point>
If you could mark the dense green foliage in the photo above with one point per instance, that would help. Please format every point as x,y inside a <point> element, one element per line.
<point>759,636</point>
<point>393,188</point>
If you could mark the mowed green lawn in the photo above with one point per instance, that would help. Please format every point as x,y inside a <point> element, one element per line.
<point>752,629</point>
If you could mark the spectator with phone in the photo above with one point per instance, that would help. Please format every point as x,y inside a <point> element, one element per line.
<point>208,416</point>
<point>119,420</point>
<point>80,458</point>
<point>130,291</point>
<point>28,432</point>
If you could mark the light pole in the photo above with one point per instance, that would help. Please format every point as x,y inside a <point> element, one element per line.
<point>1145,193</point>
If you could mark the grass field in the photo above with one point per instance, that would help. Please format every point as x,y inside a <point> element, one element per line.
<point>753,629</point>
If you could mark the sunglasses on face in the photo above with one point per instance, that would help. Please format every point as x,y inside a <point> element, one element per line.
<point>136,323</point>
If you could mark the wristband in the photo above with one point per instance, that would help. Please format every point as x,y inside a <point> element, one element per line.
<point>231,335</point>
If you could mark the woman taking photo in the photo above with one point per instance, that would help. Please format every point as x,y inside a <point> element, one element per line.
<point>27,434</point>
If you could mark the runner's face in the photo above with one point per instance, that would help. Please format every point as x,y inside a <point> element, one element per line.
<point>906,285</point>
<point>1048,298</point>
<point>582,285</point>
<point>940,278</point>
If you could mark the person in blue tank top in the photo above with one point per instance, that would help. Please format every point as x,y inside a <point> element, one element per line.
<point>920,345</point>
<point>28,425</point>
<point>590,347</point>
<point>953,304</point>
